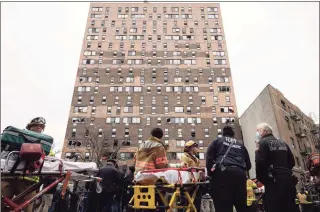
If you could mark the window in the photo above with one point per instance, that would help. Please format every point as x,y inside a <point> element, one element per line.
<point>180,143</point>
<point>115,89</point>
<point>175,120</point>
<point>228,100</point>
<point>96,9</point>
<point>213,16</point>
<point>134,9</point>
<point>91,99</point>
<point>223,89</point>
<point>222,79</point>
<point>215,100</point>
<point>166,110</point>
<point>206,133</point>
<point>84,89</point>
<point>189,62</point>
<point>109,110</point>
<point>201,155</point>
<point>216,37</point>
<point>218,53</point>
<point>190,100</point>
<point>135,62</point>
<point>113,120</point>
<point>136,37</point>
<point>138,16</point>
<point>215,30</point>
<point>193,133</point>
<point>88,61</point>
<point>226,109</point>
<point>153,110</point>
<point>128,109</point>
<point>178,109</point>
<point>148,120</point>
<point>220,62</point>
<point>212,9</point>
<point>203,100</point>
<point>131,53</point>
<point>96,16</point>
<point>194,120</point>
<point>175,30</point>
<point>227,120</point>
<point>171,16</point>
<point>131,120</point>
<point>186,16</point>
<point>84,79</point>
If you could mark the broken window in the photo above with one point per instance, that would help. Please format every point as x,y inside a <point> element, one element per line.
<point>226,110</point>
<point>223,88</point>
<point>227,120</point>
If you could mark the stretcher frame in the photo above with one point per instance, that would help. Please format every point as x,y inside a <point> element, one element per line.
<point>178,190</point>
<point>60,176</point>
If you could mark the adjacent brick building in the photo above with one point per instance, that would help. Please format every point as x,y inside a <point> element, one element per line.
<point>287,121</point>
<point>146,65</point>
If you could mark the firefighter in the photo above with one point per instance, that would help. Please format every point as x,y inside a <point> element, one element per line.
<point>274,163</point>
<point>227,162</point>
<point>152,154</point>
<point>190,159</point>
<point>11,187</point>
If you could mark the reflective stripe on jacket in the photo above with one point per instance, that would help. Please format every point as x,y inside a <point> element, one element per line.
<point>250,194</point>
<point>151,154</point>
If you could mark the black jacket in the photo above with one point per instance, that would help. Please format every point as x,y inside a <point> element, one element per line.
<point>272,151</point>
<point>237,156</point>
<point>111,178</point>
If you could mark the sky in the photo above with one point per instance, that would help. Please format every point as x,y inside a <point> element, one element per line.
<point>268,43</point>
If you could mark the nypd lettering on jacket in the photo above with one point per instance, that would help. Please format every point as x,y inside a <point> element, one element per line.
<point>236,156</point>
<point>231,141</point>
<point>276,145</point>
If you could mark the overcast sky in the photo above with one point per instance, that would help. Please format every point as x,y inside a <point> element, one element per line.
<point>268,43</point>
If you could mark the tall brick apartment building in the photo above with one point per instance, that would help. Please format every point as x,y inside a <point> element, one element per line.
<point>146,65</point>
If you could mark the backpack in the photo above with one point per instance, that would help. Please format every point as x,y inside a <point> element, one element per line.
<point>12,139</point>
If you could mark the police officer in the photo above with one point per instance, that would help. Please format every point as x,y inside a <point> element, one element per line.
<point>227,168</point>
<point>274,162</point>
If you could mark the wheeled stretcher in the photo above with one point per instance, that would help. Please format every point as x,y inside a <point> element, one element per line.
<point>58,170</point>
<point>152,185</point>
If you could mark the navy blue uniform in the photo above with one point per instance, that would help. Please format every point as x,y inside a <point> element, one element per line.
<point>274,162</point>
<point>228,187</point>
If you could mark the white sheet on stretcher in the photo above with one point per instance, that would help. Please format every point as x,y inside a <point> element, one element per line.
<point>171,176</point>
<point>51,166</point>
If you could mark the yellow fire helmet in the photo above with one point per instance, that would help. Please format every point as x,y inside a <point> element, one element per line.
<point>191,144</point>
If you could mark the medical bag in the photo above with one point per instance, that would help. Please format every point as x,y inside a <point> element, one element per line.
<point>12,139</point>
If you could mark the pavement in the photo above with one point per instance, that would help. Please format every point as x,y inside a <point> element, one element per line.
<point>207,204</point>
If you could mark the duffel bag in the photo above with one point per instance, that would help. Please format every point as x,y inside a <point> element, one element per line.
<point>13,138</point>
